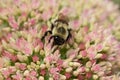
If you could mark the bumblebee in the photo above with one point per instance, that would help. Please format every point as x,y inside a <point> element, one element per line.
<point>60,30</point>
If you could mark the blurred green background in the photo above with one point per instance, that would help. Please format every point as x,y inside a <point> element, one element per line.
<point>117,2</point>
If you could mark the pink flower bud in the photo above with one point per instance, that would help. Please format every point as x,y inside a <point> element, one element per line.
<point>83,53</point>
<point>88,75</point>
<point>35,58</point>
<point>42,72</point>
<point>68,75</point>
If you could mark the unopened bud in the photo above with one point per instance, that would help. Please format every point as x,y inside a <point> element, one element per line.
<point>42,52</point>
<point>29,38</point>
<point>95,77</point>
<point>62,77</point>
<point>98,56</point>
<point>37,67</point>
<point>71,63</point>
<point>4,44</point>
<point>11,50</point>
<point>26,73</point>
<point>29,67</point>
<point>41,78</point>
<point>1,77</point>
<point>37,48</point>
<point>12,39</point>
<point>68,69</point>
<point>75,79</point>
<point>88,64</point>
<point>106,48</point>
<point>33,64</point>
<point>79,56</point>
<point>87,69</point>
<point>51,78</point>
<point>76,64</point>
<point>75,73</point>
<point>42,66</point>
<point>38,62</point>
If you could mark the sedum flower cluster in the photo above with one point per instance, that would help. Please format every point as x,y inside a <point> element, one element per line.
<point>92,53</point>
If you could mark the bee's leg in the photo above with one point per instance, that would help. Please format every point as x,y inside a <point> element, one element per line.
<point>53,46</point>
<point>50,38</point>
<point>46,33</point>
<point>69,35</point>
<point>52,26</point>
<point>53,43</point>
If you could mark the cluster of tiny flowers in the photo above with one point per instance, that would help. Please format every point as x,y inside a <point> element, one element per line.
<point>92,53</point>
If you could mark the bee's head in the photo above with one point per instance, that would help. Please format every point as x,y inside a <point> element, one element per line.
<point>61,24</point>
<point>61,27</point>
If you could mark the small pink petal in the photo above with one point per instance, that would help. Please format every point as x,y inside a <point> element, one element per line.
<point>44,28</point>
<point>32,21</point>
<point>96,67</point>
<point>28,78</point>
<point>54,70</point>
<point>1,9</point>
<point>84,53</point>
<point>24,7</point>
<point>22,66</point>
<point>85,28</point>
<point>82,69</point>
<point>75,24</point>
<point>13,23</point>
<point>16,2</point>
<point>72,53</point>
<point>46,15</point>
<point>99,47</point>
<point>11,70</point>
<point>93,61</point>
<point>17,76</point>
<point>52,3</point>
<point>6,73</point>
<point>35,58</point>
<point>56,56</point>
<point>8,78</point>
<point>34,78</point>
<point>48,58</point>
<point>82,46</point>
<point>91,55</point>
<point>87,38</point>
<point>43,72</point>
<point>38,42</point>
<point>1,62</point>
<point>56,76</point>
<point>91,49</point>
<point>24,14</point>
<point>7,54</point>
<point>27,50</point>
<point>67,10</point>
<point>68,75</point>
<point>35,4</point>
<point>88,75</point>
<point>80,77</point>
<point>32,31</point>
<point>111,58</point>
<point>9,35</point>
<point>14,58</point>
<point>60,68</point>
<point>33,73</point>
<point>104,56</point>
<point>59,62</point>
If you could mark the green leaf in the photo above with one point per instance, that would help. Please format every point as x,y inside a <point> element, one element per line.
<point>63,53</point>
<point>47,76</point>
